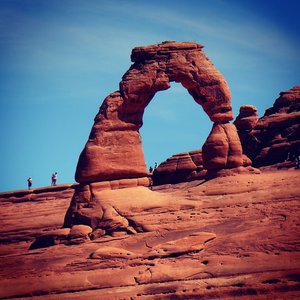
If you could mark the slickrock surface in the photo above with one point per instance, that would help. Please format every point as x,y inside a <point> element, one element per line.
<point>27,214</point>
<point>114,149</point>
<point>276,134</point>
<point>227,238</point>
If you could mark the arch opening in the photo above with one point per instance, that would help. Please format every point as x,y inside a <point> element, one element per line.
<point>172,123</point>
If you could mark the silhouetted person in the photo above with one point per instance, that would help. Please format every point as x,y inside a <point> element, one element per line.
<point>150,170</point>
<point>150,183</point>
<point>54,178</point>
<point>29,181</point>
<point>297,160</point>
<point>294,156</point>
<point>155,165</point>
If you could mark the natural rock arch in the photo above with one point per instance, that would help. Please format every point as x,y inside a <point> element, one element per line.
<point>114,149</point>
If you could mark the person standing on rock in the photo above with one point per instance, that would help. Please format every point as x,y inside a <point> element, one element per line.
<point>29,181</point>
<point>294,155</point>
<point>54,178</point>
<point>297,160</point>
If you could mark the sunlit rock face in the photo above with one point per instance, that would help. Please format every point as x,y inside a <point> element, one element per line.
<point>222,149</point>
<point>114,148</point>
<point>276,135</point>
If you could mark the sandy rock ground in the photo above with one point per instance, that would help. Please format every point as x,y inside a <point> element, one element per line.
<point>228,238</point>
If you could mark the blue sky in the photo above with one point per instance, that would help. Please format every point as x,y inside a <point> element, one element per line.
<point>60,59</point>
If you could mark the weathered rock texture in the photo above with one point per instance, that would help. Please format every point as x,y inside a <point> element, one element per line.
<point>188,166</point>
<point>222,149</point>
<point>247,118</point>
<point>89,208</point>
<point>227,238</point>
<point>276,134</point>
<point>114,149</point>
<point>180,167</point>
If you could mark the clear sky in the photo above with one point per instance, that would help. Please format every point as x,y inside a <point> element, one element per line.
<point>59,59</point>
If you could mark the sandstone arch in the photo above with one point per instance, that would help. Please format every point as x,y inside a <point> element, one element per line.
<point>114,148</point>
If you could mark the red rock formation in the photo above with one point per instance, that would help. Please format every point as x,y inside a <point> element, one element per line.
<point>114,152</point>
<point>276,133</point>
<point>222,149</point>
<point>188,166</point>
<point>87,208</point>
<point>114,149</point>
<point>180,167</point>
<point>247,118</point>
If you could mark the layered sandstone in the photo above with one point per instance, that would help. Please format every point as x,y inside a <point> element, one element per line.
<point>276,134</point>
<point>180,167</point>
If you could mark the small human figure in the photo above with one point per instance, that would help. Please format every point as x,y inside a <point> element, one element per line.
<point>155,165</point>
<point>150,183</point>
<point>29,181</point>
<point>150,170</point>
<point>294,155</point>
<point>297,161</point>
<point>54,178</point>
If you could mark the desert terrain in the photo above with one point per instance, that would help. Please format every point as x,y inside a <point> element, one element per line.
<point>225,238</point>
<point>212,226</point>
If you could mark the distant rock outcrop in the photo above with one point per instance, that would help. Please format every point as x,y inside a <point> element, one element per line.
<point>188,166</point>
<point>276,134</point>
<point>247,118</point>
<point>180,167</point>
